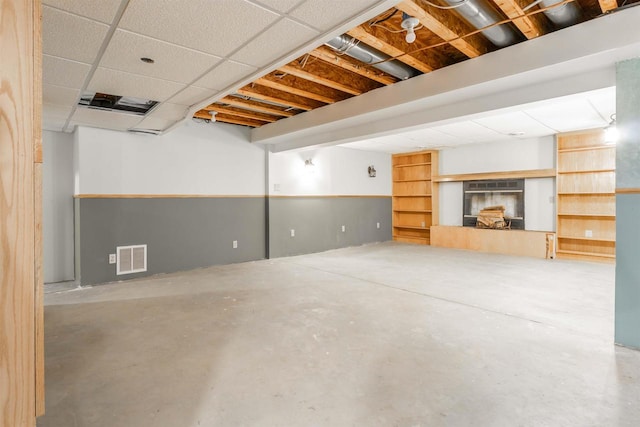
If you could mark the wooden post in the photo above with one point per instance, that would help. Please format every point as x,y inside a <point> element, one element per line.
<point>20,257</point>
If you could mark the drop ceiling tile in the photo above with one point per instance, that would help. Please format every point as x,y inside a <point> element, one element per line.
<point>515,123</point>
<point>326,14</point>
<point>192,95</point>
<point>58,95</point>
<point>104,119</point>
<point>567,116</point>
<point>277,41</point>
<point>468,131</point>
<point>103,10</point>
<point>225,74</point>
<point>59,112</point>
<point>125,84</point>
<point>62,72</point>
<point>604,101</point>
<point>71,36</point>
<point>175,63</point>
<point>217,27</point>
<point>282,6</point>
<point>168,111</point>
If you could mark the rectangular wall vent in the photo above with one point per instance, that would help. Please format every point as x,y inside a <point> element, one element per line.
<point>131,259</point>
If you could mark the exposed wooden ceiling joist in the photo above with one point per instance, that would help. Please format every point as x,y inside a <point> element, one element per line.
<point>257,106</point>
<point>329,75</point>
<point>531,26</point>
<point>607,5</point>
<point>447,26</point>
<point>225,118</point>
<point>302,87</point>
<point>384,41</point>
<point>279,97</point>
<point>241,112</point>
<point>343,61</point>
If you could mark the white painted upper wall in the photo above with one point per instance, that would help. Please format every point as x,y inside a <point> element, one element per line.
<point>194,159</point>
<point>337,171</point>
<point>538,153</point>
<point>57,206</point>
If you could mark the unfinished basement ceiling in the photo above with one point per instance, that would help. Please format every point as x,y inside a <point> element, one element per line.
<point>251,62</point>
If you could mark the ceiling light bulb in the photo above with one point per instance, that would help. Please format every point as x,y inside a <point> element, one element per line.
<point>411,36</point>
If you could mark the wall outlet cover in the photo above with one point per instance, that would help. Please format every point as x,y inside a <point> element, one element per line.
<point>293,233</point>
<point>344,228</point>
<point>588,233</point>
<point>235,244</point>
<point>377,225</point>
<point>112,258</point>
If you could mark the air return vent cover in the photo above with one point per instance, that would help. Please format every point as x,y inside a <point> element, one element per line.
<point>131,259</point>
<point>120,104</point>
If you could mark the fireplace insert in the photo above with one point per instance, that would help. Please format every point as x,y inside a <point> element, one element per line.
<point>496,192</point>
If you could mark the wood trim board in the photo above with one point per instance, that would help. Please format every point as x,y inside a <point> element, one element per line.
<point>533,173</point>
<point>214,196</point>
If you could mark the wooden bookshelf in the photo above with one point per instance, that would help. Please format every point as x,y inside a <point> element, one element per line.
<point>586,218</point>
<point>415,207</point>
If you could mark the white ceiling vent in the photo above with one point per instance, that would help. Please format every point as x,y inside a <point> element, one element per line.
<point>131,259</point>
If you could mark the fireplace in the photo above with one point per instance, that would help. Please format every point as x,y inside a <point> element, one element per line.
<point>499,192</point>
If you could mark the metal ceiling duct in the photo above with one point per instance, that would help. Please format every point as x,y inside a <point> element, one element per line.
<point>480,14</point>
<point>360,51</point>
<point>562,16</point>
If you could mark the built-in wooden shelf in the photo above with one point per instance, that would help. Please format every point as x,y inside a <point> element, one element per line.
<point>586,171</point>
<point>590,148</point>
<point>588,254</point>
<point>415,200</point>
<point>591,239</point>
<point>586,189</point>
<point>411,227</point>
<point>587,215</point>
<point>408,165</point>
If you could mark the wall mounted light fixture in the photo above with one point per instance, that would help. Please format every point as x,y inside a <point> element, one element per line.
<point>611,133</point>
<point>308,164</point>
<point>372,171</point>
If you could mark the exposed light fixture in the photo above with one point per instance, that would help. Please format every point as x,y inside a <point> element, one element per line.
<point>213,116</point>
<point>372,171</point>
<point>308,164</point>
<point>611,133</point>
<point>409,23</point>
<point>147,60</point>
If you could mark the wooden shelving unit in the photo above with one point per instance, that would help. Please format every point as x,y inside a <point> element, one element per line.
<point>586,219</point>
<point>415,201</point>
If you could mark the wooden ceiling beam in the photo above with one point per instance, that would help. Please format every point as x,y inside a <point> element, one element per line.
<point>257,106</point>
<point>531,26</point>
<point>447,26</point>
<point>395,45</point>
<point>329,75</point>
<point>279,97</point>
<point>226,118</point>
<point>202,114</point>
<point>607,5</point>
<point>241,112</point>
<point>302,87</point>
<point>350,64</point>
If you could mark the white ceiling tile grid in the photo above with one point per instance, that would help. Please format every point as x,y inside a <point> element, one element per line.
<point>59,95</point>
<point>192,95</point>
<point>99,10</point>
<point>63,72</point>
<point>224,75</point>
<point>566,116</point>
<point>326,14</point>
<point>281,6</point>
<point>171,62</point>
<point>71,36</point>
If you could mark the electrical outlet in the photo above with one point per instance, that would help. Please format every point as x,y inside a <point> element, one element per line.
<point>344,228</point>
<point>235,244</point>
<point>276,187</point>
<point>588,233</point>
<point>293,233</point>
<point>423,224</point>
<point>112,258</point>
<point>377,225</point>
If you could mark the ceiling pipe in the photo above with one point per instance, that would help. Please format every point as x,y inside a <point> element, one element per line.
<point>480,14</point>
<point>562,16</point>
<point>350,46</point>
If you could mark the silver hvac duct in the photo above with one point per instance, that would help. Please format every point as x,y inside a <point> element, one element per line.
<point>360,51</point>
<point>562,16</point>
<point>480,14</point>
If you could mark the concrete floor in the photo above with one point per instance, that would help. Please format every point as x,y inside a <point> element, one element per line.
<point>378,335</point>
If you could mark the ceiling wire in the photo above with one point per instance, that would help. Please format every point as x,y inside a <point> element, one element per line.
<point>455,6</point>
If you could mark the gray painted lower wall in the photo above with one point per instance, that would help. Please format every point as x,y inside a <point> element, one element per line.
<point>627,319</point>
<point>181,233</point>
<point>317,222</point>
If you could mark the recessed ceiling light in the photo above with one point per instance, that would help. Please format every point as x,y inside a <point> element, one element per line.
<point>147,60</point>
<point>516,133</point>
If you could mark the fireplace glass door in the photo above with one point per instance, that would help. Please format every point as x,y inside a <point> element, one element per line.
<point>500,192</point>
